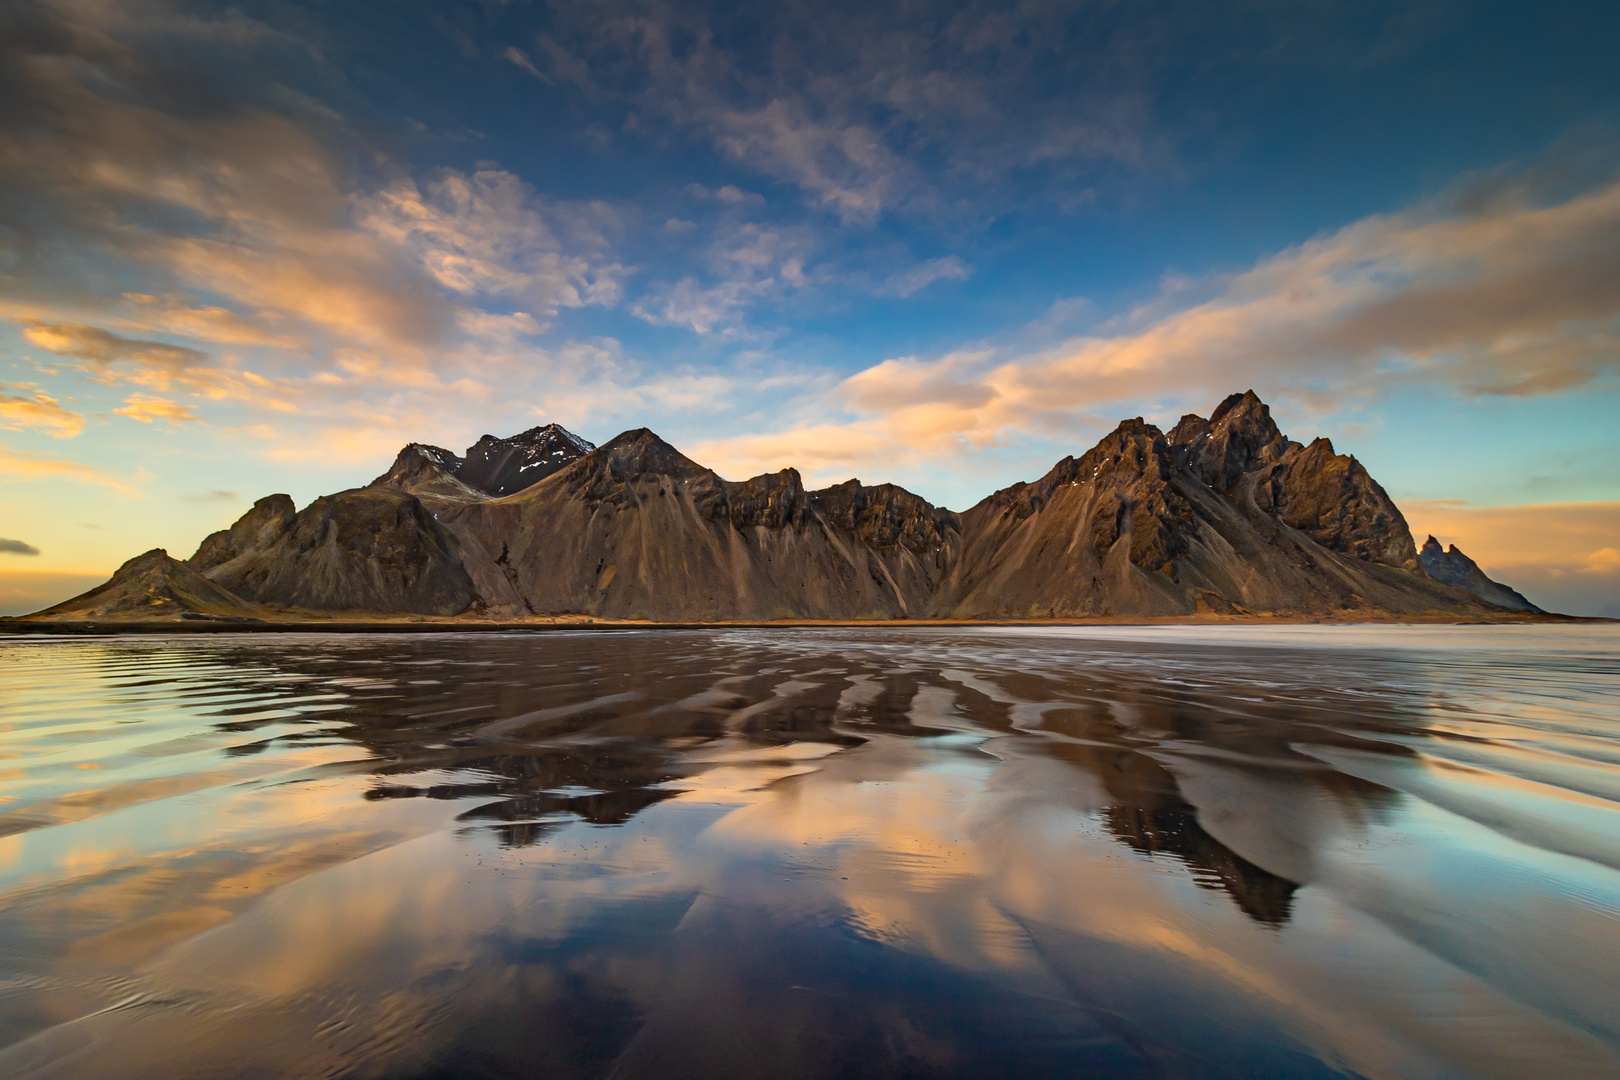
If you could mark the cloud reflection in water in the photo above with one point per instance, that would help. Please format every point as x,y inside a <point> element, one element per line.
<point>817,852</point>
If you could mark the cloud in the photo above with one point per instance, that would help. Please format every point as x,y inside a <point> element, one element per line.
<point>176,315</point>
<point>204,219</point>
<point>521,59</point>
<point>701,309</point>
<point>869,111</point>
<point>1563,556</point>
<point>1512,295</point>
<point>101,349</point>
<point>489,234</point>
<point>179,186</point>
<point>145,409</point>
<point>17,547</point>
<point>215,496</point>
<point>919,277</point>
<point>844,167</point>
<point>38,411</point>
<point>21,465</point>
<point>747,263</point>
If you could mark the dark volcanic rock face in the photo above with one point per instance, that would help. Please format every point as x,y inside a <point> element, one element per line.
<point>1225,514</point>
<point>261,526</point>
<point>1332,499</point>
<point>502,467</point>
<point>493,467</point>
<point>1238,437</point>
<point>370,549</point>
<point>428,472</point>
<point>1456,569</point>
<point>1097,534</point>
<point>885,516</point>
<point>638,529</point>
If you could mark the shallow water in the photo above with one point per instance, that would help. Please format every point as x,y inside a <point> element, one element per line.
<point>1111,852</point>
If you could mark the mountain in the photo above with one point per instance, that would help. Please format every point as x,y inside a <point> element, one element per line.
<point>154,587</point>
<point>1224,515</point>
<point>368,549</point>
<point>492,466</point>
<point>1456,569</point>
<point>638,530</point>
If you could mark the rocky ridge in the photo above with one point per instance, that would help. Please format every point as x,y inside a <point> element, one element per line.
<point>637,529</point>
<point>155,587</point>
<point>1224,515</point>
<point>1456,569</point>
<point>491,467</point>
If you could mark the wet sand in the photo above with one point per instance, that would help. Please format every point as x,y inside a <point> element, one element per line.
<point>1113,851</point>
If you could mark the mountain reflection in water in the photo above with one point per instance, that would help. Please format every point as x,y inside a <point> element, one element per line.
<point>1295,852</point>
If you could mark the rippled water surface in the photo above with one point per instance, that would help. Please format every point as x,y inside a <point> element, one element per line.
<point>1242,853</point>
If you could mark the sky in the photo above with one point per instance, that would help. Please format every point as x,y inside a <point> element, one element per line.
<point>258,248</point>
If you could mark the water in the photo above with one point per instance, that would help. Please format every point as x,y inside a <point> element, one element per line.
<point>1244,852</point>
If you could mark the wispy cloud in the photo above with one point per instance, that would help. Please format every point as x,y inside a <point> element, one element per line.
<point>747,263</point>
<point>145,409</point>
<point>262,253</point>
<point>1515,294</point>
<point>38,410</point>
<point>917,278</point>
<point>489,234</point>
<point>21,465</point>
<point>867,111</point>
<point>16,547</point>
<point>102,350</point>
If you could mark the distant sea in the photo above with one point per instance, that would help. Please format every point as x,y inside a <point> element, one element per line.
<point>1224,852</point>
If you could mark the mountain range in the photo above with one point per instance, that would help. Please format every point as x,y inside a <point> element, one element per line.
<point>1224,515</point>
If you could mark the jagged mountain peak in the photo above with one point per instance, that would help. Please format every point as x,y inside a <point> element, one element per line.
<point>493,466</point>
<point>1453,568</point>
<point>501,467</point>
<point>1219,515</point>
<point>885,515</point>
<point>1239,435</point>
<point>1242,406</point>
<point>1432,546</point>
<point>639,452</point>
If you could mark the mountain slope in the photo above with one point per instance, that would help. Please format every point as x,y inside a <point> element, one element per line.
<point>636,529</point>
<point>1224,515</point>
<point>368,549</point>
<point>1455,568</point>
<point>493,467</point>
<point>153,587</point>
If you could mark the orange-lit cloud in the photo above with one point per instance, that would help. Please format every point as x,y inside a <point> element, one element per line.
<point>21,465</point>
<point>38,411</point>
<point>145,409</point>
<point>101,349</point>
<point>176,315</point>
<point>1505,295</point>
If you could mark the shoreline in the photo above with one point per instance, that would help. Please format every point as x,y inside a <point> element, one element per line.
<point>427,624</point>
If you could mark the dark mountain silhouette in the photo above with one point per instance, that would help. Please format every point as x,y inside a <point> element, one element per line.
<point>1224,514</point>
<point>1455,568</point>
